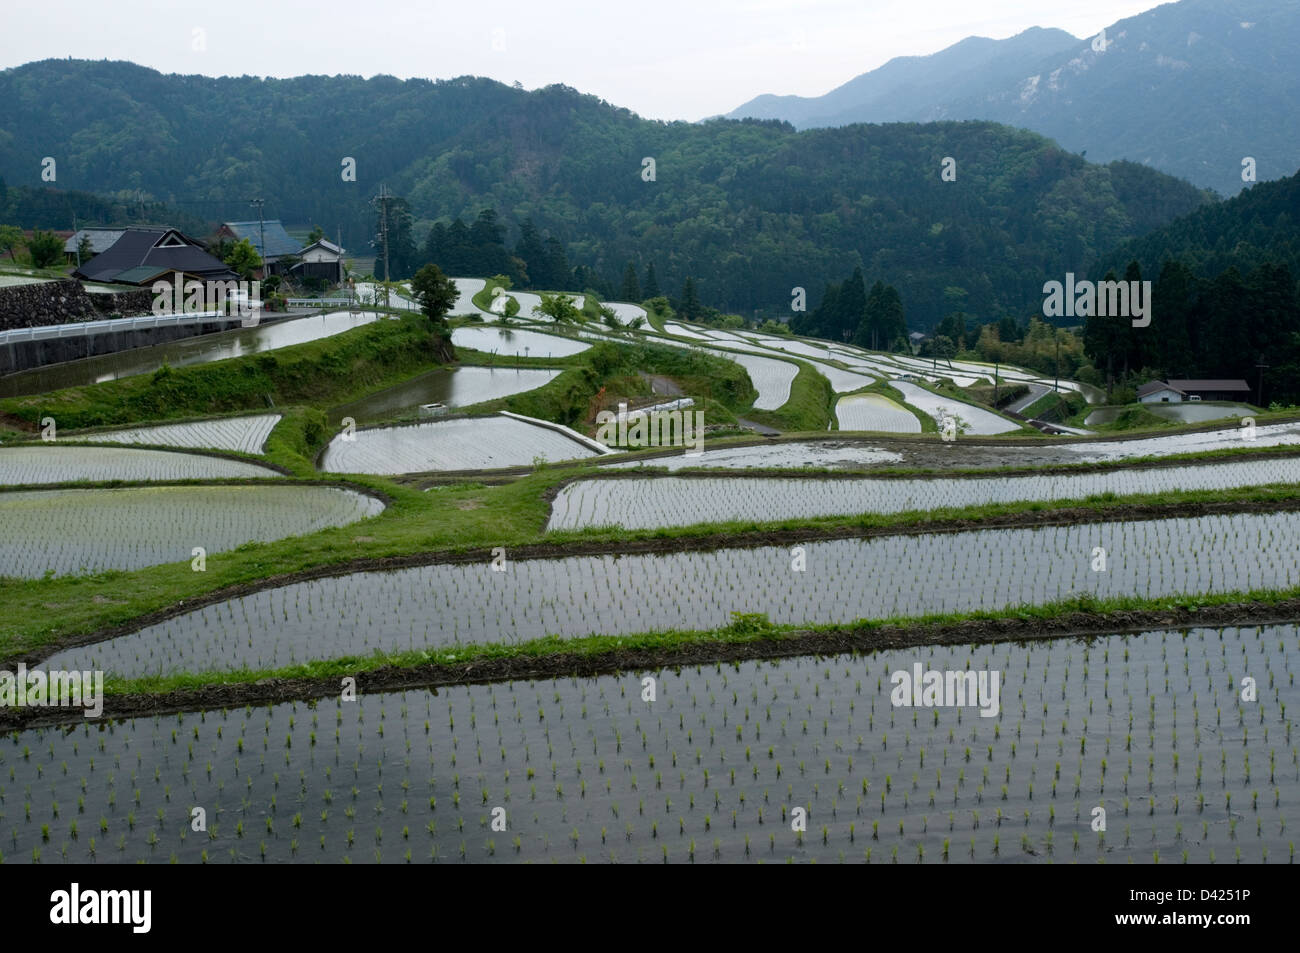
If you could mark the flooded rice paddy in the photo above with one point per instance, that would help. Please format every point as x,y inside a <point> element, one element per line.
<point>842,581</point>
<point>1151,729</point>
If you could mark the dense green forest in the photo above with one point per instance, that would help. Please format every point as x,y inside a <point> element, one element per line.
<point>1225,295</point>
<point>1261,224</point>
<point>57,209</point>
<point>748,210</point>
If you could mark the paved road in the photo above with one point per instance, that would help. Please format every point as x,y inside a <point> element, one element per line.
<point>1035,391</point>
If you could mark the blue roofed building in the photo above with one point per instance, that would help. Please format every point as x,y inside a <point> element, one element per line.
<point>281,251</point>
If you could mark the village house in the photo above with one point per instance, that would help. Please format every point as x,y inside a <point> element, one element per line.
<point>144,253</point>
<point>281,252</point>
<point>99,241</point>
<point>321,259</point>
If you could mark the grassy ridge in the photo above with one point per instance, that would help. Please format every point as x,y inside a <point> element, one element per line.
<point>483,299</point>
<point>322,373</point>
<point>456,518</point>
<point>741,631</point>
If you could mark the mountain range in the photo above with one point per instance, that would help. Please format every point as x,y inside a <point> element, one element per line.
<point>1190,88</point>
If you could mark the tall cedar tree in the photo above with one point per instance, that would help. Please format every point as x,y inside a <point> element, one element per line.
<point>650,287</point>
<point>631,290</point>
<point>850,306</point>
<point>403,255</point>
<point>531,250</point>
<point>689,308</point>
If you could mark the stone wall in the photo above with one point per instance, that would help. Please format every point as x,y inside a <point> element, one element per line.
<point>66,302</point>
<point>125,304</point>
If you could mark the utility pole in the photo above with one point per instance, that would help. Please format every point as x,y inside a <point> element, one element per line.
<point>74,238</point>
<point>383,199</point>
<point>1056,381</point>
<point>261,225</point>
<point>1259,390</point>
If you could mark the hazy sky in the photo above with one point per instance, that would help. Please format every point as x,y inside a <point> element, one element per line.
<point>665,59</point>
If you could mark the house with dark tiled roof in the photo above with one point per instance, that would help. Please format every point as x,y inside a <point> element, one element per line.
<point>142,254</point>
<point>100,239</point>
<point>279,244</point>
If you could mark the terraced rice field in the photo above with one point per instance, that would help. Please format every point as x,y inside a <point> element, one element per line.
<point>1197,413</point>
<point>516,342</point>
<point>459,387</point>
<point>824,453</point>
<point>238,434</point>
<point>624,312</point>
<point>1270,435</point>
<point>49,463</point>
<point>843,580</point>
<point>875,412</point>
<point>771,377</point>
<point>466,443</point>
<point>681,330</point>
<point>710,771</point>
<point>802,348</point>
<point>88,531</point>
<point>975,420</point>
<point>185,352</point>
<point>842,380</point>
<point>466,289</point>
<point>652,502</point>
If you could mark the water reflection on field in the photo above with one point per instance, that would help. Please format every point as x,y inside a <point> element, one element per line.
<point>196,350</point>
<point>454,387</point>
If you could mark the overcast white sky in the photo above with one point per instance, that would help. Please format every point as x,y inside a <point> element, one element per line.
<point>665,59</point>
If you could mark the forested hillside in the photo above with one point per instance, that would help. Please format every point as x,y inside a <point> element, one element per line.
<point>1225,296</point>
<point>750,210</point>
<point>1261,224</point>
<point>57,209</point>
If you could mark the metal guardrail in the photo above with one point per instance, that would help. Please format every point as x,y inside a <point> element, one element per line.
<point>53,332</point>
<point>317,302</point>
<point>395,301</point>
